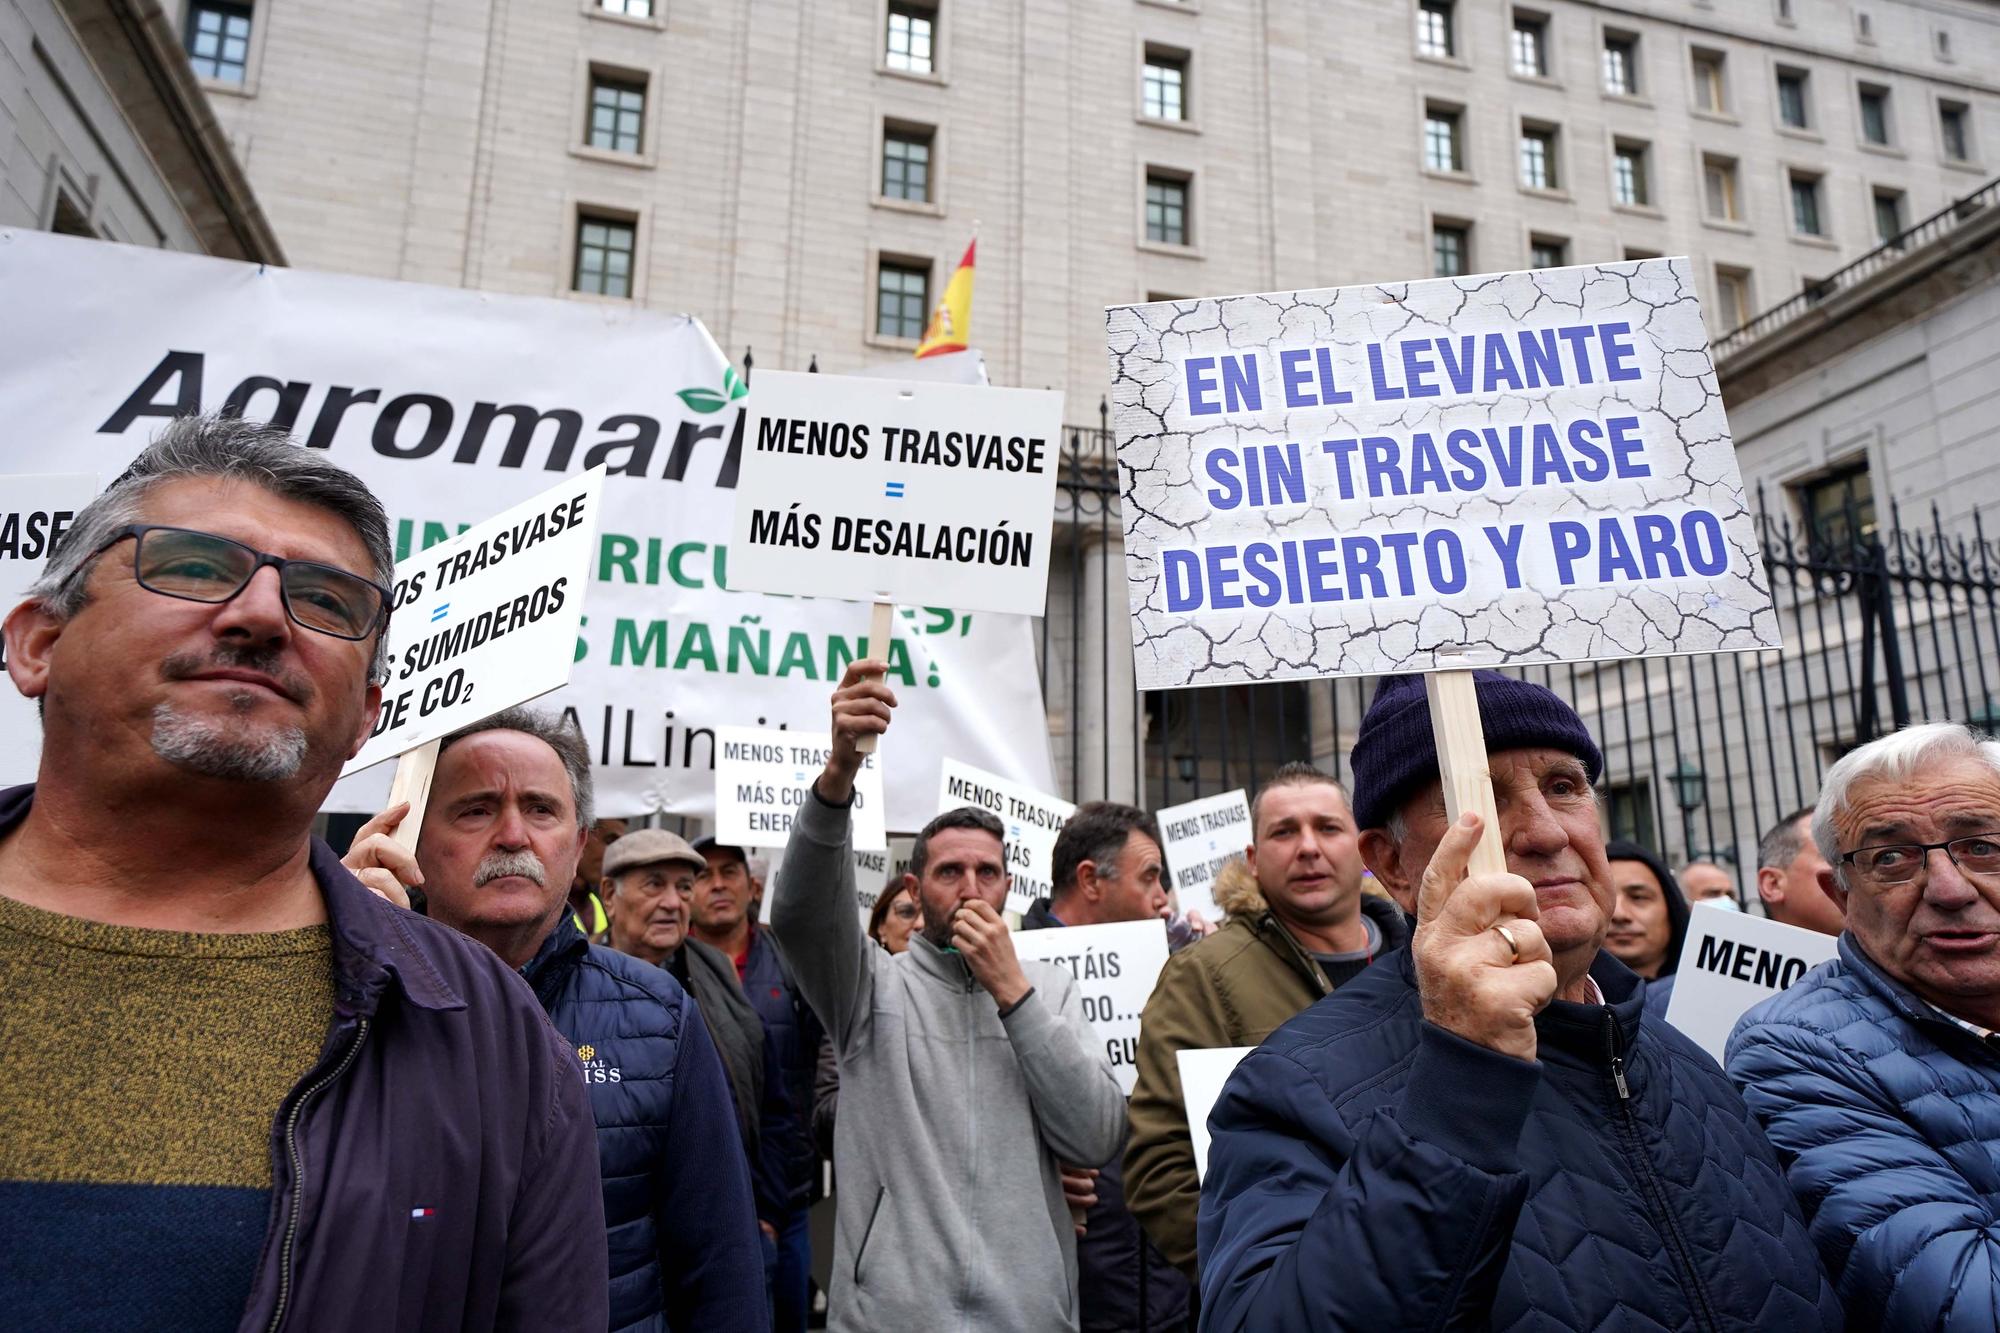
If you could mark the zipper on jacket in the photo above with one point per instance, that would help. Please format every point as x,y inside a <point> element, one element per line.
<point>1655,1192</point>
<point>861,1251</point>
<point>298,1171</point>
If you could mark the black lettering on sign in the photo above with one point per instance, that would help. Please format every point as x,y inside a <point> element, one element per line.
<point>1745,962</point>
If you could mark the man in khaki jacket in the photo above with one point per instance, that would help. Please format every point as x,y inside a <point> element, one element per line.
<point>1299,926</point>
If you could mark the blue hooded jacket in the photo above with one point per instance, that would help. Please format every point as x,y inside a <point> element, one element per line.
<point>1370,1170</point>
<point>685,1252</point>
<point>1887,1117</point>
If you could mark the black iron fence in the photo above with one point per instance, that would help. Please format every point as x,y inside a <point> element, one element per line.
<point>1883,626</point>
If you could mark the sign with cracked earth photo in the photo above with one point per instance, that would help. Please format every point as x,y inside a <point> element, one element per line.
<point>1496,470</point>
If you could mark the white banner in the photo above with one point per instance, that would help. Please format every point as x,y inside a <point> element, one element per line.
<point>1201,837</point>
<point>34,512</point>
<point>1116,967</point>
<point>1731,961</point>
<point>486,620</point>
<point>873,868</point>
<point>763,777</point>
<point>1031,818</point>
<point>455,405</point>
<point>1203,1072</point>
<point>1502,469</point>
<point>898,491</point>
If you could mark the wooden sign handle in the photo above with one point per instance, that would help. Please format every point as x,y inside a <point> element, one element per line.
<point>414,771</point>
<point>879,626</point>
<point>1461,748</point>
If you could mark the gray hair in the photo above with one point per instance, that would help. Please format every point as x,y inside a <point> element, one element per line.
<point>1892,758</point>
<point>1784,840</point>
<point>559,734</point>
<point>230,448</point>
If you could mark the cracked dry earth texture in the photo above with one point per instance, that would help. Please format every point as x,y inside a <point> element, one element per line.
<point>1687,446</point>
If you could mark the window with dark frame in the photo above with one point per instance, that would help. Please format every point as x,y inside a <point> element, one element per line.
<point>1732,297</point>
<point>1718,183</point>
<point>1951,128</point>
<point>1628,813</point>
<point>1792,108</point>
<point>1166,209</point>
<point>70,219</point>
<point>1442,149</point>
<point>218,40</point>
<point>1805,205</point>
<point>1531,46</point>
<point>910,43</point>
<point>1838,509</point>
<point>1875,115</point>
<point>1434,29</point>
<point>1451,250</point>
<point>902,299</point>
<point>906,163</point>
<point>1164,86</point>
<point>1538,157</point>
<point>1711,92</point>
<point>1629,185</point>
<point>604,248</point>
<point>617,114</point>
<point>1621,64</point>
<point>1547,252</point>
<point>1888,215</point>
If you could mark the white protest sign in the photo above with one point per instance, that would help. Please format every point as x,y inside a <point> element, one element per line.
<point>763,777</point>
<point>35,511</point>
<point>1115,967</point>
<point>1429,476</point>
<point>1032,819</point>
<point>872,869</point>
<point>1201,837</point>
<point>488,619</point>
<point>1203,1072</point>
<point>453,405</point>
<point>1731,961</point>
<point>898,490</point>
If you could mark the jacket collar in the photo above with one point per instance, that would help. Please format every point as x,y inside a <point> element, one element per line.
<point>945,966</point>
<point>564,948</point>
<point>1388,919</point>
<point>1898,996</point>
<point>373,944</point>
<point>1580,1033</point>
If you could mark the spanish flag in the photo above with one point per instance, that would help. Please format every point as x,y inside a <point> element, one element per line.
<point>951,320</point>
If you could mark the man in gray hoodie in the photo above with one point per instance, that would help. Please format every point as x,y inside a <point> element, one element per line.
<point>967,1077</point>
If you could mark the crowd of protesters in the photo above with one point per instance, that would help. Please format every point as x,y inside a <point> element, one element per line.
<point>547,1072</point>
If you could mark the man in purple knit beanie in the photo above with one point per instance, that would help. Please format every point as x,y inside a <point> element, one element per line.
<point>1492,1104</point>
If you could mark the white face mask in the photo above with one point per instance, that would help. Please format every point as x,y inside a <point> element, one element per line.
<point>1726,904</point>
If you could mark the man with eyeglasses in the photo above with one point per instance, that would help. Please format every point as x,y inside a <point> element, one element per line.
<point>1877,1076</point>
<point>249,1090</point>
<point>967,1077</point>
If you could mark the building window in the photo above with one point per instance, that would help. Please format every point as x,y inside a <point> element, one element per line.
<point>1443,150</point>
<point>617,114</point>
<point>1711,91</point>
<point>1864,26</point>
<point>906,163</point>
<point>1451,250</point>
<point>1531,46</point>
<point>604,256</point>
<point>1839,508</point>
<point>70,218</point>
<point>1538,158</point>
<point>1166,210</point>
<point>1629,185</point>
<point>1547,252</point>
<point>1718,183</point>
<point>1792,98</point>
<point>1621,64</point>
<point>637,9</point>
<point>1943,44</point>
<point>218,40</point>
<point>1952,117</point>
<point>1888,215</point>
<point>911,37</point>
<point>1785,11</point>
<point>902,300</point>
<point>1805,205</point>
<point>1628,812</point>
<point>1875,115</point>
<point>1434,29</point>
<point>1165,86</point>
<point>1732,297</point>
<point>1633,254</point>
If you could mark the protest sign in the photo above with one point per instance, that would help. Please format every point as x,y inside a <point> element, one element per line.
<point>898,490</point>
<point>1115,967</point>
<point>872,870</point>
<point>35,512</point>
<point>1032,819</point>
<point>762,777</point>
<point>1201,838</point>
<point>1505,469</point>
<point>1203,1074</point>
<point>486,620</point>
<point>454,405</point>
<point>1731,961</point>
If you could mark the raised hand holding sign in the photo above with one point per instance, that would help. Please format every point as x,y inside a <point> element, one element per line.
<point>1483,969</point>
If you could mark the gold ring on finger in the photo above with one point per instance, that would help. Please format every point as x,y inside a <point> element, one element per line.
<point>1513,945</point>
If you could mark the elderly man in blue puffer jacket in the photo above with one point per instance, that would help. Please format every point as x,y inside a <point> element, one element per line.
<point>1484,1130</point>
<point>1878,1074</point>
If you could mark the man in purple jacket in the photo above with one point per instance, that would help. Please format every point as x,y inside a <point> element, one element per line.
<point>241,1091</point>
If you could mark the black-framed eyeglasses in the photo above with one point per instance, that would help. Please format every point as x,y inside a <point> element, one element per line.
<point>1899,863</point>
<point>202,567</point>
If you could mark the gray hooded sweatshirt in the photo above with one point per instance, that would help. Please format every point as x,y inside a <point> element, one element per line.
<point>953,1120</point>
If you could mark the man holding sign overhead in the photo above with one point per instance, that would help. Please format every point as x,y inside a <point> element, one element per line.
<point>1487,1106</point>
<point>967,1077</point>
